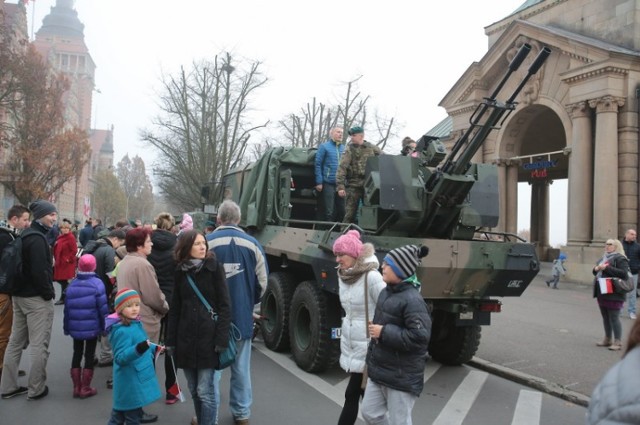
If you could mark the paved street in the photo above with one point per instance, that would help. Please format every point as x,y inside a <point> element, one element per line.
<point>283,394</point>
<point>552,334</point>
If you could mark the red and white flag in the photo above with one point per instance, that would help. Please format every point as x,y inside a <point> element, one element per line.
<point>87,206</point>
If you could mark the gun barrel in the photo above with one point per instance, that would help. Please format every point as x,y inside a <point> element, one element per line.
<point>535,66</point>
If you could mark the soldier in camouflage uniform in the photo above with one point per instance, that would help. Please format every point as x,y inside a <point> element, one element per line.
<point>350,175</point>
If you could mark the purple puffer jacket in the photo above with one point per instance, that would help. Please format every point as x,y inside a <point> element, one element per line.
<point>85,307</point>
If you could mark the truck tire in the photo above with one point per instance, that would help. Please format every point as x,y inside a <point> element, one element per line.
<point>312,316</point>
<point>450,344</point>
<point>275,311</point>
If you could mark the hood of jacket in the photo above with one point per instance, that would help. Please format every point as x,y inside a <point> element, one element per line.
<point>163,240</point>
<point>93,245</point>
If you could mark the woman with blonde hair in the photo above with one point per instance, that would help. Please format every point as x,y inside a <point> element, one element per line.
<point>612,264</point>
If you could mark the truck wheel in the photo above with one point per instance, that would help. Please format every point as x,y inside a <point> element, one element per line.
<point>451,344</point>
<point>312,316</point>
<point>275,311</point>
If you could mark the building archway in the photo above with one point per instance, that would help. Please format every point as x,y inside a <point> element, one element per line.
<point>534,150</point>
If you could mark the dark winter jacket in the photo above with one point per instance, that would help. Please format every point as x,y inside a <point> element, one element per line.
<point>86,234</point>
<point>105,260</point>
<point>85,307</point>
<point>618,267</point>
<point>397,359</point>
<point>37,262</point>
<point>632,251</point>
<point>64,254</point>
<point>192,331</point>
<point>327,160</point>
<point>616,398</point>
<point>6,237</point>
<point>161,258</point>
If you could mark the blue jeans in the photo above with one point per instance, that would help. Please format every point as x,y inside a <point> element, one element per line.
<point>631,296</point>
<point>332,206</point>
<point>240,396</point>
<point>129,417</point>
<point>611,321</point>
<point>202,386</point>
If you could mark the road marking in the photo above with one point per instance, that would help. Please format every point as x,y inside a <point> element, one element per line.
<point>458,406</point>
<point>315,382</point>
<point>528,408</point>
<point>430,370</point>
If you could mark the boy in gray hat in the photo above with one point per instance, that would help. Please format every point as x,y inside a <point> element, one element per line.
<point>33,307</point>
<point>400,333</point>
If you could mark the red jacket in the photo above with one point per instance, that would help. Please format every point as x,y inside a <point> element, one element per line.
<point>64,254</point>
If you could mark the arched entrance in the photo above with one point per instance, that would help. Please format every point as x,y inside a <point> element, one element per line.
<point>534,150</point>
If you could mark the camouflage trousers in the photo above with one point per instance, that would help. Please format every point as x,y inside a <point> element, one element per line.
<point>351,203</point>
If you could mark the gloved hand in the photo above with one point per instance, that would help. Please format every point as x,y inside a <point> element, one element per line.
<point>142,346</point>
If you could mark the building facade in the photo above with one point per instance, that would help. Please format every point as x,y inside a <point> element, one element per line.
<point>577,118</point>
<point>60,39</point>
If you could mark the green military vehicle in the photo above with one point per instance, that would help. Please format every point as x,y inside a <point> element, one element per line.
<point>407,201</point>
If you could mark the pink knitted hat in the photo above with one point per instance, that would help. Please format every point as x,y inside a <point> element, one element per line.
<point>87,263</point>
<point>349,244</point>
<point>187,222</point>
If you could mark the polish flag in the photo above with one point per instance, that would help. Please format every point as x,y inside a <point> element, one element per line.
<point>87,206</point>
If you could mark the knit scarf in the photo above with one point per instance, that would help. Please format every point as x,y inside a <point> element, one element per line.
<point>193,265</point>
<point>350,276</point>
<point>606,258</point>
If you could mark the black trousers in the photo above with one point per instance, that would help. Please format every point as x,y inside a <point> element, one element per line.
<point>352,396</point>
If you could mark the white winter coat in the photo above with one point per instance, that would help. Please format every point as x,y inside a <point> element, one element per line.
<point>354,341</point>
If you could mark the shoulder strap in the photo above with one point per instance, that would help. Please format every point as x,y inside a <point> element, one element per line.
<point>366,303</point>
<point>213,314</point>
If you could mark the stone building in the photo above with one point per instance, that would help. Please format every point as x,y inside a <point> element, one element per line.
<point>60,39</point>
<point>577,119</point>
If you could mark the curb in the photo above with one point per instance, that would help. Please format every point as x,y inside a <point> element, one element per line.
<point>531,381</point>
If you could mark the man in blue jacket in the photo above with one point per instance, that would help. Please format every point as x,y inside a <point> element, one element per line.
<point>330,206</point>
<point>246,271</point>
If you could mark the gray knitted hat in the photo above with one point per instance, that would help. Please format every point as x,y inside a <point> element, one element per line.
<point>404,260</point>
<point>40,208</point>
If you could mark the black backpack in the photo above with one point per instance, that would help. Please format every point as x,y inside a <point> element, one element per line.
<point>11,261</point>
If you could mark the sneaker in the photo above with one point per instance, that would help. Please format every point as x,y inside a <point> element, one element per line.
<point>244,421</point>
<point>19,391</point>
<point>632,316</point>
<point>43,394</point>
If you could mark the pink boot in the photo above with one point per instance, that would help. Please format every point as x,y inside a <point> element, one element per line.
<point>86,390</point>
<point>77,381</point>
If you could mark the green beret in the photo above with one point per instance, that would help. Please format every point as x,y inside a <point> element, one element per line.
<point>210,223</point>
<point>355,130</point>
<point>132,222</point>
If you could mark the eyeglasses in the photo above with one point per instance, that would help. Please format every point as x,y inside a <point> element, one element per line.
<point>608,243</point>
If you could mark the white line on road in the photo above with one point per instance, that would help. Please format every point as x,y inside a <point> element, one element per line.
<point>458,406</point>
<point>528,408</point>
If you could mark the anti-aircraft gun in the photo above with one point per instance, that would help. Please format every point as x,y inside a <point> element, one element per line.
<point>408,200</point>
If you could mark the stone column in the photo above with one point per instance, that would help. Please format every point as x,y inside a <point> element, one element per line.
<point>543,216</point>
<point>628,174</point>
<point>534,218</point>
<point>579,223</point>
<point>605,170</point>
<point>511,222</point>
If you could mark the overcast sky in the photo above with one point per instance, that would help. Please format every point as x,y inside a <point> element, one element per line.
<point>410,53</point>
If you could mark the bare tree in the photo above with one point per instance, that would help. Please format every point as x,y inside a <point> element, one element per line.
<point>311,126</point>
<point>136,186</point>
<point>203,130</point>
<point>109,199</point>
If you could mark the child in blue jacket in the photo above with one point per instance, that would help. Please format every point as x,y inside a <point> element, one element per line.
<point>134,377</point>
<point>85,309</point>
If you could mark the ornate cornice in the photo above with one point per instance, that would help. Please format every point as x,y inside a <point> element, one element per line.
<point>612,70</point>
<point>580,58</point>
<point>525,15</point>
<point>475,85</point>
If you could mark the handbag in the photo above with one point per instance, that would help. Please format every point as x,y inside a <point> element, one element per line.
<point>623,285</point>
<point>227,357</point>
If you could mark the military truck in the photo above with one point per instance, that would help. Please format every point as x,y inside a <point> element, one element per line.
<point>408,200</point>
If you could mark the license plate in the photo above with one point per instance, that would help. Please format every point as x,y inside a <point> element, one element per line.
<point>466,315</point>
<point>336,333</point>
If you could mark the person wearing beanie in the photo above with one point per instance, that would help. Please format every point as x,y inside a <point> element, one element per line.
<point>32,295</point>
<point>186,223</point>
<point>85,308</point>
<point>134,378</point>
<point>400,333</point>
<point>360,283</point>
<point>331,206</point>
<point>350,175</point>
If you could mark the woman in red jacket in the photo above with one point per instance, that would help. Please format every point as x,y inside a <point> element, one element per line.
<point>64,256</point>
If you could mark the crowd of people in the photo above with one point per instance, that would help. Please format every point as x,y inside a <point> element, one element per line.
<point>128,296</point>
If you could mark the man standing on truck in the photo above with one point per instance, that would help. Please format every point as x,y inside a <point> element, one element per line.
<point>246,270</point>
<point>327,160</point>
<point>350,175</point>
